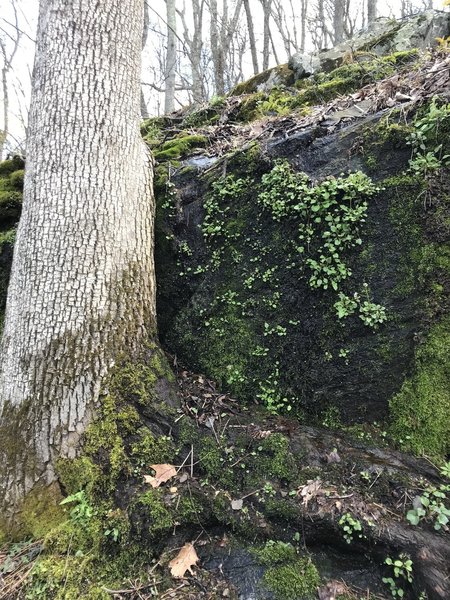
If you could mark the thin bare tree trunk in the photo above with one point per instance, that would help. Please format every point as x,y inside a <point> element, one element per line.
<point>371,11</point>
<point>267,6</point>
<point>338,21</point>
<point>171,57</point>
<point>251,36</point>
<point>217,48</point>
<point>82,289</point>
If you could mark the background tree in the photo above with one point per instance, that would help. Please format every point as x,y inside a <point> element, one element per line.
<point>82,289</point>
<point>171,57</point>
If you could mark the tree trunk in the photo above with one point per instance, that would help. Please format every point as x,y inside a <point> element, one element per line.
<point>217,49</point>
<point>144,109</point>
<point>338,21</point>
<point>251,36</point>
<point>82,288</point>
<point>371,11</point>
<point>171,57</point>
<point>267,6</point>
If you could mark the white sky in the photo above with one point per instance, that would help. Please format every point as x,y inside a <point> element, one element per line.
<point>19,78</point>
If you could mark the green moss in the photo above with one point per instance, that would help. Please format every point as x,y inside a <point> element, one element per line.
<point>299,579</point>
<point>180,146</point>
<point>275,459</point>
<point>8,166</point>
<point>157,515</point>
<point>420,410</point>
<point>283,74</point>
<point>77,474</point>
<point>275,552</point>
<point>16,179</point>
<point>152,130</point>
<point>40,512</point>
<point>149,449</point>
<point>288,575</point>
<point>10,204</point>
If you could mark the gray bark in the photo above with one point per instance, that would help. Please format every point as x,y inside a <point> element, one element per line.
<point>267,7</point>
<point>338,21</point>
<point>251,36</point>
<point>371,11</point>
<point>82,289</point>
<point>171,57</point>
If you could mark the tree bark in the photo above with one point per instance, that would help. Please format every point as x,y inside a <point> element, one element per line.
<point>371,11</point>
<point>217,49</point>
<point>82,288</point>
<point>251,36</point>
<point>171,57</point>
<point>267,6</point>
<point>338,21</point>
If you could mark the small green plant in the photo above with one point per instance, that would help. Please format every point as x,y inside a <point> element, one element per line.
<point>370,313</point>
<point>430,507</point>
<point>113,533</point>
<point>429,152</point>
<point>82,511</point>
<point>403,569</point>
<point>445,470</point>
<point>350,527</point>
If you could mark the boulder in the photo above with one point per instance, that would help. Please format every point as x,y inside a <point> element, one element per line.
<point>304,65</point>
<point>384,36</point>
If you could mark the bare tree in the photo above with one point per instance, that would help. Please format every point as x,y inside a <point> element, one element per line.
<point>338,20</point>
<point>251,35</point>
<point>7,62</point>
<point>194,44</point>
<point>267,9</point>
<point>171,57</point>
<point>371,11</point>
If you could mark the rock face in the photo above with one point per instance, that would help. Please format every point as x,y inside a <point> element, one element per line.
<point>249,311</point>
<point>386,36</point>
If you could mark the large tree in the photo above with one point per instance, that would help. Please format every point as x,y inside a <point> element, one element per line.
<point>82,289</point>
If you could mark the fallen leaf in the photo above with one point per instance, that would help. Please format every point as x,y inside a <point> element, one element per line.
<point>173,490</point>
<point>333,457</point>
<point>184,561</point>
<point>237,504</point>
<point>162,473</point>
<point>310,491</point>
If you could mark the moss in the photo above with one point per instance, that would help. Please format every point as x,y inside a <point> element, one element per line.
<point>283,75</point>
<point>288,575</point>
<point>420,410</point>
<point>77,474</point>
<point>40,512</point>
<point>8,166</point>
<point>149,449</point>
<point>275,459</point>
<point>152,130</point>
<point>299,579</point>
<point>16,179</point>
<point>273,553</point>
<point>10,204</point>
<point>158,518</point>
<point>180,146</point>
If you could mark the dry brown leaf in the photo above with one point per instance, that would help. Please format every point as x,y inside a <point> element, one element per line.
<point>184,561</point>
<point>163,473</point>
<point>310,490</point>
